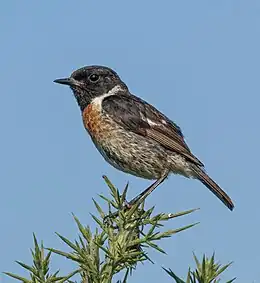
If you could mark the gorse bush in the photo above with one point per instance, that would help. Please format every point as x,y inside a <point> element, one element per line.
<point>207,271</point>
<point>122,239</point>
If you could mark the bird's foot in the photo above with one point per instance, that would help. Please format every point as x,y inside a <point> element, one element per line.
<point>127,205</point>
<point>108,219</point>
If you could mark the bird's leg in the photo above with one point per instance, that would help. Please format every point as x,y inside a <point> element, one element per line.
<point>139,198</point>
<point>149,190</point>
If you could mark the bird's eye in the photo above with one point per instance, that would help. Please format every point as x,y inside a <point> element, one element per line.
<point>94,78</point>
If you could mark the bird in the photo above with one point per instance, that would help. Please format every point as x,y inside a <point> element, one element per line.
<point>131,134</point>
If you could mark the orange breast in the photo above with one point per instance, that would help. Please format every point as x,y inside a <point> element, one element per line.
<point>94,122</point>
<point>90,118</point>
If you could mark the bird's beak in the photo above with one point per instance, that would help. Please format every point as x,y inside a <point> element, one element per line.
<point>67,81</point>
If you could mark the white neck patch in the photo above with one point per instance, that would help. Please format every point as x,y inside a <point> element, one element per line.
<point>97,101</point>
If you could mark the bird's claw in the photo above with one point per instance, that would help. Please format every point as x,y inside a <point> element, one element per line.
<point>108,219</point>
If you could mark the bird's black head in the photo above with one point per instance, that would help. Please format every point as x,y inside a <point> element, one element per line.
<point>90,82</point>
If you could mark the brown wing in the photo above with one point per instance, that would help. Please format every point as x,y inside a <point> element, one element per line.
<point>142,118</point>
<point>172,145</point>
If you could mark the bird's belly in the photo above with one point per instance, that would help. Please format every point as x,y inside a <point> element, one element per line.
<point>127,151</point>
<point>133,154</point>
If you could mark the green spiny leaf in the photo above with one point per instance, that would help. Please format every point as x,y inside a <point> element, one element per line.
<point>25,266</point>
<point>99,222</point>
<point>196,261</point>
<point>168,216</point>
<point>67,255</point>
<point>84,231</point>
<point>110,202</point>
<point>99,209</point>
<point>171,232</point>
<point>222,269</point>
<point>156,247</point>
<point>111,187</point>
<point>17,277</point>
<point>123,196</point>
<point>203,267</point>
<point>68,242</point>
<point>173,275</point>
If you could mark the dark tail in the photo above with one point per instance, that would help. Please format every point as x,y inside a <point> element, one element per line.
<point>213,187</point>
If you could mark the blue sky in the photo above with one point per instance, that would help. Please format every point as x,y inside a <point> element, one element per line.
<point>197,61</point>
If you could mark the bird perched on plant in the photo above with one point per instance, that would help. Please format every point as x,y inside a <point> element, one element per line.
<point>132,135</point>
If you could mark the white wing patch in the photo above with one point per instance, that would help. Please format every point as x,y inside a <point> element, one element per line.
<point>152,123</point>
